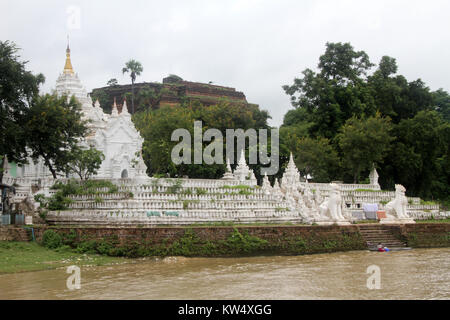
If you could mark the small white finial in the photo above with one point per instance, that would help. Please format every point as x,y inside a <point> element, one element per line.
<point>124,108</point>
<point>114,111</point>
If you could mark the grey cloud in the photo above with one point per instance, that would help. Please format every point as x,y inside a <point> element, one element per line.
<point>254,46</point>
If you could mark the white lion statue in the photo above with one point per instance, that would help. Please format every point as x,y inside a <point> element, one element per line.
<point>397,207</point>
<point>332,207</point>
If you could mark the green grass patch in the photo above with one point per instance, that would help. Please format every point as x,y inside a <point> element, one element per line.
<point>30,256</point>
<point>428,203</point>
<point>239,187</point>
<point>447,220</point>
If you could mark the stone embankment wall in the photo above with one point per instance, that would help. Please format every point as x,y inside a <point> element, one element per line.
<point>211,241</point>
<point>11,233</point>
<point>226,241</point>
<point>426,235</point>
<point>233,241</point>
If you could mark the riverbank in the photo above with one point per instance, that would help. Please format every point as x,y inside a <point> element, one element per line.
<point>30,256</point>
<point>61,246</point>
<point>230,241</point>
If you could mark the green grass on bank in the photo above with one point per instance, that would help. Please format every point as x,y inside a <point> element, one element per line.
<point>30,256</point>
<point>447,220</point>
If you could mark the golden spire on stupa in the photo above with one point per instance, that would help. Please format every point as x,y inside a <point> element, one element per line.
<point>68,66</point>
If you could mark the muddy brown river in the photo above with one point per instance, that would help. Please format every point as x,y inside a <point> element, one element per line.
<point>413,274</point>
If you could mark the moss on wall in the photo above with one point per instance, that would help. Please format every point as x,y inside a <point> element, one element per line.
<point>210,241</point>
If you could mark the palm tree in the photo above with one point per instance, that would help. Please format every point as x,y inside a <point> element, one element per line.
<point>135,68</point>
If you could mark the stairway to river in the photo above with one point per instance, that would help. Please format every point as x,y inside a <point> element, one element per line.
<point>13,233</point>
<point>374,234</point>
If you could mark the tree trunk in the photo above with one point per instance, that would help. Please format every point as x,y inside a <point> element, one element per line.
<point>2,163</point>
<point>132,96</point>
<point>49,166</point>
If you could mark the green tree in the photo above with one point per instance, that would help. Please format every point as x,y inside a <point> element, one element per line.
<point>336,93</point>
<point>112,82</point>
<point>150,97</point>
<point>419,157</point>
<point>394,95</point>
<point>18,87</point>
<point>316,158</point>
<point>342,63</point>
<point>441,101</point>
<point>85,162</point>
<point>156,127</point>
<point>364,142</point>
<point>349,106</point>
<point>134,68</point>
<point>54,127</point>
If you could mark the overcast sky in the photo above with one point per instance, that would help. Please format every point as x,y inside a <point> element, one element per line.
<point>253,46</point>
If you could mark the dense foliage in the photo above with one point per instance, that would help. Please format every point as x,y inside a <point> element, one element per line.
<point>45,127</point>
<point>156,127</point>
<point>365,118</point>
<point>18,87</point>
<point>53,128</point>
<point>85,162</point>
<point>60,200</point>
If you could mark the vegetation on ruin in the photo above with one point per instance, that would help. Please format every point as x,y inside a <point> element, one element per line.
<point>239,186</point>
<point>175,187</point>
<point>432,220</point>
<point>61,199</point>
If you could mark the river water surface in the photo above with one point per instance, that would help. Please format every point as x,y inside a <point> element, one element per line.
<point>412,274</point>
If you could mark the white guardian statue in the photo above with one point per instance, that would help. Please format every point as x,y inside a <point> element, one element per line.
<point>396,209</point>
<point>331,209</point>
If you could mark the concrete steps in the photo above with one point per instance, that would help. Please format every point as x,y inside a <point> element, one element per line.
<point>378,234</point>
<point>9,233</point>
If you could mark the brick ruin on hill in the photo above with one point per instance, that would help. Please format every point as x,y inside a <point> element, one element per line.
<point>173,91</point>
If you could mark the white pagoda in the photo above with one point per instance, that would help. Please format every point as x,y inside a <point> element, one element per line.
<point>114,135</point>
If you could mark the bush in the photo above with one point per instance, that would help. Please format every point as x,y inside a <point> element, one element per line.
<point>244,243</point>
<point>61,201</point>
<point>87,247</point>
<point>51,239</point>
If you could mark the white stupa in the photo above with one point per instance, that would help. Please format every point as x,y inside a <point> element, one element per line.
<point>228,173</point>
<point>115,135</point>
<point>242,171</point>
<point>291,176</point>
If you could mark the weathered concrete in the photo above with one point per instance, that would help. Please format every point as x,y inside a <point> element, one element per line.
<point>12,233</point>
